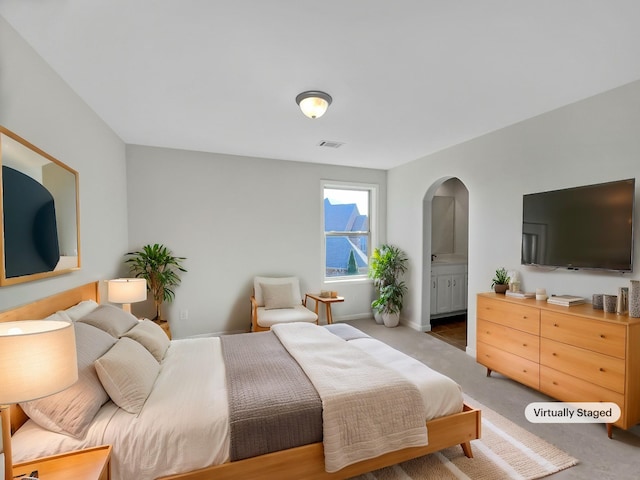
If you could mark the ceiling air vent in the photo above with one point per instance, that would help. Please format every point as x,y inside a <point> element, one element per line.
<point>330,144</point>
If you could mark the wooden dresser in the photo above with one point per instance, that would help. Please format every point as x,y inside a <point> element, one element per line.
<point>573,354</point>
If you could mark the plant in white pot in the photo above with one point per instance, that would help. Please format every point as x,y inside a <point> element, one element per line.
<point>387,264</point>
<point>389,303</point>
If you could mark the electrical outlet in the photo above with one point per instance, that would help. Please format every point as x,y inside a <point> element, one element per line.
<point>184,314</point>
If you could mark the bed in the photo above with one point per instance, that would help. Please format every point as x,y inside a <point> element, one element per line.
<point>183,446</point>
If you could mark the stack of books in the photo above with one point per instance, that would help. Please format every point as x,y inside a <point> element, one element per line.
<point>565,300</point>
<point>509,293</point>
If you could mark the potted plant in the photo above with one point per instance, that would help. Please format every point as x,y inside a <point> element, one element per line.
<point>156,264</point>
<point>500,282</point>
<point>387,264</point>
<point>389,303</point>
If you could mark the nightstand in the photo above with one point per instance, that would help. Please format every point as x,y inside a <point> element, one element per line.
<point>327,303</point>
<point>89,464</point>
<point>165,326</point>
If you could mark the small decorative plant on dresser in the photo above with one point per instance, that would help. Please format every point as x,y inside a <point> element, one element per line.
<point>500,282</point>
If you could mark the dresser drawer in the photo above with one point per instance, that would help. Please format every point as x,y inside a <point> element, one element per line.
<point>513,341</point>
<point>602,370</point>
<point>568,388</point>
<point>602,337</point>
<point>515,367</point>
<point>509,314</point>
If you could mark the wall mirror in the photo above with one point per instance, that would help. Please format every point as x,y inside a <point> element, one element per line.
<point>40,230</point>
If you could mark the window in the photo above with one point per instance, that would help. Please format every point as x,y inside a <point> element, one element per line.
<point>348,229</point>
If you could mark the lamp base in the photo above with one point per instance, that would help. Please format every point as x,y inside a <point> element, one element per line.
<point>126,307</point>
<point>5,417</point>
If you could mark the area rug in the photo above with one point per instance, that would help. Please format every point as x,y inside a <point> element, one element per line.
<point>505,451</point>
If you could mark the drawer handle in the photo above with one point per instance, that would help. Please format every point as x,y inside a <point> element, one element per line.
<point>554,354</point>
<point>555,383</point>
<point>524,371</point>
<point>524,344</point>
<point>601,369</point>
<point>602,336</point>
<point>524,316</point>
<point>555,324</point>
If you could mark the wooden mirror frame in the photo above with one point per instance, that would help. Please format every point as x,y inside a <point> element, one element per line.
<point>9,140</point>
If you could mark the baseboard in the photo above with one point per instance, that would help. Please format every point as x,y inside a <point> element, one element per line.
<point>415,326</point>
<point>348,318</point>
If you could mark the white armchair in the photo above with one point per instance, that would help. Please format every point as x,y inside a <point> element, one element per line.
<point>278,300</point>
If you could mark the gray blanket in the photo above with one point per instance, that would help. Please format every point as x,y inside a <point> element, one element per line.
<point>272,404</point>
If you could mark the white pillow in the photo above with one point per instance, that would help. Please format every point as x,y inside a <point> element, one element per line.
<point>128,372</point>
<point>278,296</point>
<point>60,316</point>
<point>80,310</point>
<point>72,410</point>
<point>151,336</point>
<point>112,320</point>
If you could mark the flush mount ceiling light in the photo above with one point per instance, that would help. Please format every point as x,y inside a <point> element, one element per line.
<point>313,103</point>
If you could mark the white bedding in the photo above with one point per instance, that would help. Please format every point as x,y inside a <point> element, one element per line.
<point>387,408</point>
<point>184,421</point>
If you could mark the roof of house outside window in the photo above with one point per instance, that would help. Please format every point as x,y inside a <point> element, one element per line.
<point>345,218</point>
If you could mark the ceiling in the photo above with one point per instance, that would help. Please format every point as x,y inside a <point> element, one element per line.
<point>407,77</point>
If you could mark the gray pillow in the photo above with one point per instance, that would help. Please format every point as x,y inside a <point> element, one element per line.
<point>151,336</point>
<point>72,410</point>
<point>128,372</point>
<point>110,319</point>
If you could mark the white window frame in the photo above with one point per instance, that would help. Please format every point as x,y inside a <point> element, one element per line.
<point>372,188</point>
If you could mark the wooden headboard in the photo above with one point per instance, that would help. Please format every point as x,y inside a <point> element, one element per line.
<point>41,309</point>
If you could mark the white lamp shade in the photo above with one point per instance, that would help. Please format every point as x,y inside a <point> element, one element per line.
<point>37,358</point>
<point>127,290</point>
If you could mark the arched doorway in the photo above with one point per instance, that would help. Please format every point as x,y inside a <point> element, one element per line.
<point>445,250</point>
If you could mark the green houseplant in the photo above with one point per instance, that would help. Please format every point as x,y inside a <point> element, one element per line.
<point>387,264</point>
<point>159,267</point>
<point>500,282</point>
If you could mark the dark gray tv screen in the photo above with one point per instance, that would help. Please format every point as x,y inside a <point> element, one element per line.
<point>587,227</point>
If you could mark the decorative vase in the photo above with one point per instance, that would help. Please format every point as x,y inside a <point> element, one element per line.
<point>634,299</point>
<point>391,319</point>
<point>597,301</point>
<point>500,288</point>
<point>377,316</point>
<point>609,303</point>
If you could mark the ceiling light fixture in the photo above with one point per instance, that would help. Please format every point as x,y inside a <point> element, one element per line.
<point>313,103</point>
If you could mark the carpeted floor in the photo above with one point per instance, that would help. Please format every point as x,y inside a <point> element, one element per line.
<point>505,451</point>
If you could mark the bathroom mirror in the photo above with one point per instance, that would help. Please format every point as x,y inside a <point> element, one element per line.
<point>40,230</point>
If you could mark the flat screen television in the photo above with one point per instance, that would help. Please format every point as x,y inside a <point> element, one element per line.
<point>587,227</point>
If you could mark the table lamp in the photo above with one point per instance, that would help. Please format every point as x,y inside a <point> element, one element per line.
<point>127,291</point>
<point>37,359</point>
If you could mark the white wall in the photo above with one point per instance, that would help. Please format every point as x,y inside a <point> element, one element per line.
<point>592,141</point>
<point>234,218</point>
<point>39,106</point>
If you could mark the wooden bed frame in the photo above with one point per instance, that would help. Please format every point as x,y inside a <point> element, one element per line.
<point>302,462</point>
